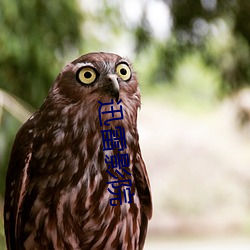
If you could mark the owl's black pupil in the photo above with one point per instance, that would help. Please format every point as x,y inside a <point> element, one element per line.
<point>87,75</point>
<point>123,71</point>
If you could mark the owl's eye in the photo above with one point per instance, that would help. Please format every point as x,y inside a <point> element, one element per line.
<point>123,71</point>
<point>86,75</point>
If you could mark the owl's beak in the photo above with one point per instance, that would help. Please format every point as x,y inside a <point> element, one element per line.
<point>114,86</point>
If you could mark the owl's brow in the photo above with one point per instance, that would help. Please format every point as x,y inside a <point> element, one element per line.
<point>124,59</point>
<point>84,64</point>
<point>76,66</point>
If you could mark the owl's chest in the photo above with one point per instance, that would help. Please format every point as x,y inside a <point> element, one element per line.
<point>83,199</point>
<point>84,218</point>
<point>107,226</point>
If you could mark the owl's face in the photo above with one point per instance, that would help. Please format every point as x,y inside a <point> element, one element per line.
<point>97,76</point>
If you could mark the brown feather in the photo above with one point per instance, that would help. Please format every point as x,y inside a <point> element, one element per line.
<point>56,187</point>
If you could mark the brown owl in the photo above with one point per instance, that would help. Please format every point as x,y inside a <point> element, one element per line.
<point>76,178</point>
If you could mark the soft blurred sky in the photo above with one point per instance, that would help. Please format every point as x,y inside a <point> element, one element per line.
<point>156,12</point>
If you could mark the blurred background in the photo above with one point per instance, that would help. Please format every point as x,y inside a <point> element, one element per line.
<point>192,60</point>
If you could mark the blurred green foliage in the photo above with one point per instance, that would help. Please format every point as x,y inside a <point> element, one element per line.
<point>34,36</point>
<point>7,131</point>
<point>219,30</point>
<point>2,237</point>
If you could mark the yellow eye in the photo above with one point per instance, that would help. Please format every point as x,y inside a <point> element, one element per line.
<point>123,71</point>
<point>86,75</point>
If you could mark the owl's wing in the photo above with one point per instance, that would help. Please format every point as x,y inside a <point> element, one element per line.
<point>16,182</point>
<point>144,192</point>
<point>143,185</point>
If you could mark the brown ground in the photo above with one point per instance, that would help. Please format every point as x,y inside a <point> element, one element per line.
<point>199,168</point>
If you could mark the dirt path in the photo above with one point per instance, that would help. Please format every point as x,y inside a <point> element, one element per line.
<point>240,244</point>
<point>199,167</point>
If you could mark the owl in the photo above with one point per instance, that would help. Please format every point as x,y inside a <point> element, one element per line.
<point>76,178</point>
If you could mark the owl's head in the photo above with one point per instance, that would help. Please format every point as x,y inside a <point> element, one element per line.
<point>98,77</point>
